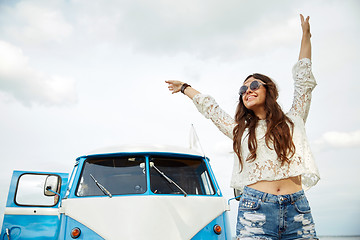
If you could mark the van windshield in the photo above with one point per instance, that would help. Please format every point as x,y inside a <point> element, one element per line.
<point>190,174</point>
<point>119,175</point>
<point>127,175</point>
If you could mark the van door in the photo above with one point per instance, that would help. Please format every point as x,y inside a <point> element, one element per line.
<point>32,208</point>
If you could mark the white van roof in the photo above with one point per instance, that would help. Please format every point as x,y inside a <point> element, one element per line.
<point>145,148</point>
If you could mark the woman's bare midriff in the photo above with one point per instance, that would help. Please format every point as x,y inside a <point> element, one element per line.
<point>279,187</point>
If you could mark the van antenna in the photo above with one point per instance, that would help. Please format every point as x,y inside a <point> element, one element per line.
<point>194,140</point>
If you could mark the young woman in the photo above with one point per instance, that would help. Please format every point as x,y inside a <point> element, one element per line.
<point>273,164</point>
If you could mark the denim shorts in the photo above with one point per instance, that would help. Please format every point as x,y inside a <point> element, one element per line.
<point>267,216</point>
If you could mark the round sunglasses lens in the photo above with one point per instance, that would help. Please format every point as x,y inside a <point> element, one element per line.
<point>243,90</point>
<point>254,85</point>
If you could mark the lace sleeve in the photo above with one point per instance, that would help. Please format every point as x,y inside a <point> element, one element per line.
<point>304,83</point>
<point>208,107</point>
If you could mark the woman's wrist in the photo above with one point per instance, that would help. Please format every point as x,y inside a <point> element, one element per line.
<point>306,35</point>
<point>189,91</point>
<point>183,87</point>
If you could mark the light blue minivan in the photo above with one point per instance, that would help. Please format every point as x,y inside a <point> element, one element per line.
<point>128,192</point>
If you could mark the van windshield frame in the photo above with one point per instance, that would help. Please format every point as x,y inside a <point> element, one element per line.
<point>135,174</point>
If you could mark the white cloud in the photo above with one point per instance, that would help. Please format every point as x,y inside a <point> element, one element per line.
<point>224,29</point>
<point>32,22</point>
<point>220,29</point>
<point>29,85</point>
<point>337,140</point>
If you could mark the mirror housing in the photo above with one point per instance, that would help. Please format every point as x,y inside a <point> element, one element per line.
<point>51,183</point>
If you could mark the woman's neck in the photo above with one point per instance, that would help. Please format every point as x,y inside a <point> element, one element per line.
<point>260,113</point>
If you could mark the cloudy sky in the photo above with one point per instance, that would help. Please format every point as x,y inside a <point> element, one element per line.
<point>77,75</point>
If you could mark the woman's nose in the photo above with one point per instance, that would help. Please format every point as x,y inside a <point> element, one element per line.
<point>248,90</point>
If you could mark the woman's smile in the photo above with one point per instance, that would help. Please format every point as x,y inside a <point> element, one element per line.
<point>250,97</point>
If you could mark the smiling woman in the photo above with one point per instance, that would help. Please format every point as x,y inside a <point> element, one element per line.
<point>273,164</point>
<point>261,101</point>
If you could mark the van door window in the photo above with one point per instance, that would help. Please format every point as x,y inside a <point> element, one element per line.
<point>30,191</point>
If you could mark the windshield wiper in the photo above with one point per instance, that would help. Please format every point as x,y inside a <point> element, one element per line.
<point>167,178</point>
<point>102,188</point>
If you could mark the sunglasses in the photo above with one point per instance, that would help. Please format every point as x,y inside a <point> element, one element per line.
<point>254,85</point>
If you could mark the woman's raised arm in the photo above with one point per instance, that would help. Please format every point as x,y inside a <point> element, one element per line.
<point>206,105</point>
<point>304,80</point>
<point>305,49</point>
<point>175,87</point>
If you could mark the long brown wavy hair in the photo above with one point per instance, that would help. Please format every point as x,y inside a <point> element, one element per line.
<point>279,127</point>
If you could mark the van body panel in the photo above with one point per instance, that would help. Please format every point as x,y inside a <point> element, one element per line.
<point>207,232</point>
<point>24,217</point>
<point>69,224</point>
<point>169,215</point>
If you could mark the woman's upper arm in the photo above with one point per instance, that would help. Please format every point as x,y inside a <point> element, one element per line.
<point>208,107</point>
<point>304,83</point>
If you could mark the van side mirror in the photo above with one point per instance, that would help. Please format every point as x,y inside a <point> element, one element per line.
<point>51,183</point>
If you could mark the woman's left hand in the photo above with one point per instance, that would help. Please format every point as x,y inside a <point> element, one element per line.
<point>305,48</point>
<point>305,25</point>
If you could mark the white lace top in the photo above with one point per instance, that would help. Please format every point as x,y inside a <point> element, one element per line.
<point>267,166</point>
